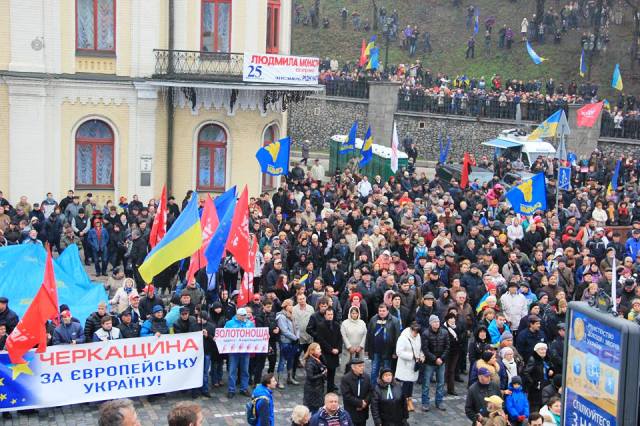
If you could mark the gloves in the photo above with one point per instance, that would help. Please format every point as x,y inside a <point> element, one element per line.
<point>521,418</point>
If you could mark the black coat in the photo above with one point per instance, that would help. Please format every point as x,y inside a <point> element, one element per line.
<point>329,337</point>
<point>91,325</point>
<point>352,400</point>
<point>129,331</point>
<point>392,327</point>
<point>10,318</point>
<point>188,326</point>
<point>435,344</point>
<point>315,373</point>
<point>534,378</point>
<point>385,411</point>
<point>475,399</point>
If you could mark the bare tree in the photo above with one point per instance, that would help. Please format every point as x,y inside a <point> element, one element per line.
<point>635,6</point>
<point>375,15</point>
<point>539,11</point>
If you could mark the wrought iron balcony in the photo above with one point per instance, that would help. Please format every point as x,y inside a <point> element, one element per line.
<point>198,65</point>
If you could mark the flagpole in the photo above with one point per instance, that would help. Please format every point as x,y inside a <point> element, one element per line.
<point>558,176</point>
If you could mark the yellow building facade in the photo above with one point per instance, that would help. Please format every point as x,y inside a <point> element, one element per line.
<point>119,97</point>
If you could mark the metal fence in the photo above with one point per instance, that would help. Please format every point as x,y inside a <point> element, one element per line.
<point>347,88</point>
<point>629,128</point>
<point>477,106</point>
<point>195,64</point>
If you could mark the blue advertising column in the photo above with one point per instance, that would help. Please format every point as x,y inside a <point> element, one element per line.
<point>601,373</point>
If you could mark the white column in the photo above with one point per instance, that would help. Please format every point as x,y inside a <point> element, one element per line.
<point>145,32</point>
<point>253,41</point>
<point>285,27</point>
<point>180,24</point>
<point>142,139</point>
<point>52,33</point>
<point>30,167</point>
<point>27,18</point>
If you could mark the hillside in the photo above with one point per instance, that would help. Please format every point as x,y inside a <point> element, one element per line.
<point>449,34</point>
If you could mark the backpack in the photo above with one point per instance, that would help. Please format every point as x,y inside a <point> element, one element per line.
<point>251,410</point>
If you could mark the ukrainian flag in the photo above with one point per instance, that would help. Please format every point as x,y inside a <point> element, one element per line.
<point>374,59</point>
<point>274,158</point>
<point>616,81</point>
<point>548,128</point>
<point>583,64</point>
<point>613,185</point>
<point>303,280</point>
<point>350,144</point>
<point>367,149</point>
<point>371,45</point>
<point>530,196</point>
<point>181,240</point>
<point>534,56</point>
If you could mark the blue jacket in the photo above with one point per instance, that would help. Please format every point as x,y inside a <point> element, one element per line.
<point>322,418</point>
<point>495,333</point>
<point>92,237</point>
<point>632,248</point>
<point>64,334</point>
<point>264,409</point>
<point>517,404</point>
<point>236,323</point>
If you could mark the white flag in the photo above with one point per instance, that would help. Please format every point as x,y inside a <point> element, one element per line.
<point>394,149</point>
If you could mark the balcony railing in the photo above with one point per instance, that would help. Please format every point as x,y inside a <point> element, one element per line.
<point>197,65</point>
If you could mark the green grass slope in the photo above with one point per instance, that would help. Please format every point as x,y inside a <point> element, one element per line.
<point>449,34</point>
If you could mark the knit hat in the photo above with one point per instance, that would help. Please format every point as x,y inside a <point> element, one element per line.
<point>539,345</point>
<point>483,372</point>
<point>506,335</point>
<point>433,319</point>
<point>157,308</point>
<point>516,380</point>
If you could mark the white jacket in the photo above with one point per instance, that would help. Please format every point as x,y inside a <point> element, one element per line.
<point>354,332</point>
<point>515,308</point>
<point>120,300</point>
<point>408,349</point>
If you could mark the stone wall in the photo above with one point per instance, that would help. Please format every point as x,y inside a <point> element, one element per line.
<point>628,147</point>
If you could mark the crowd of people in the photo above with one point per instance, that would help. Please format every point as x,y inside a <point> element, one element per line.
<point>370,287</point>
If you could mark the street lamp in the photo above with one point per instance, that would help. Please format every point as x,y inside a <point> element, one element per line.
<point>386,31</point>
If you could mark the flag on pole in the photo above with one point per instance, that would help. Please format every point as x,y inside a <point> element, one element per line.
<point>613,185</point>
<point>444,151</point>
<point>238,243</point>
<point>208,223</point>
<point>466,166</point>
<point>548,128</point>
<point>370,45</point>
<point>159,228</point>
<point>367,149</point>
<point>363,54</point>
<point>215,251</point>
<point>476,21</point>
<point>182,240</point>
<point>534,56</point>
<point>246,292</point>
<point>394,149</point>
<point>274,158</point>
<point>583,64</point>
<point>374,59</point>
<point>350,144</point>
<point>530,196</point>
<point>563,125</point>
<point>588,114</point>
<point>31,330</point>
<point>616,81</point>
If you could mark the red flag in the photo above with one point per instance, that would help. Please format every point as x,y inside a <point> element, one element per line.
<point>31,330</point>
<point>363,56</point>
<point>252,254</point>
<point>246,290</point>
<point>588,114</point>
<point>159,227</point>
<point>209,223</point>
<point>238,241</point>
<point>466,164</point>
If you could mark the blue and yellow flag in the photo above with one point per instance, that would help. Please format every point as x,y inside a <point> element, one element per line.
<point>613,185</point>
<point>616,81</point>
<point>476,21</point>
<point>530,196</point>
<point>303,280</point>
<point>367,149</point>
<point>374,59</point>
<point>182,240</point>
<point>350,144</point>
<point>534,56</point>
<point>370,45</point>
<point>583,64</point>
<point>274,158</point>
<point>548,128</point>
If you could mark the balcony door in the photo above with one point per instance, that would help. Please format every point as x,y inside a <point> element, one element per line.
<point>216,26</point>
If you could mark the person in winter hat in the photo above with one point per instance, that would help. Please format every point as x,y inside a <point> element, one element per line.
<point>516,403</point>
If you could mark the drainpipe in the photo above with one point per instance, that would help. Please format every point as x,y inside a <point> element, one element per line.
<point>169,103</point>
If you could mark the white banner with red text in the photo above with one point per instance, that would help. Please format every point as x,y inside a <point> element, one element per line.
<point>72,374</point>
<point>266,68</point>
<point>242,340</point>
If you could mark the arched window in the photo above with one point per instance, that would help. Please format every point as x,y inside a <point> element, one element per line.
<point>270,135</point>
<point>216,26</point>
<point>212,158</point>
<point>94,155</point>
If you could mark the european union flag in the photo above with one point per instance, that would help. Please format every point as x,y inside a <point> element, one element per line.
<point>444,151</point>
<point>529,196</point>
<point>350,144</point>
<point>534,56</point>
<point>274,158</point>
<point>215,251</point>
<point>18,383</point>
<point>367,149</point>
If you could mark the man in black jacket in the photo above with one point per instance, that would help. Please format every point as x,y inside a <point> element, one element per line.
<point>265,317</point>
<point>128,328</point>
<point>435,346</point>
<point>382,335</point>
<point>186,323</point>
<point>356,388</point>
<point>7,316</point>
<point>476,406</point>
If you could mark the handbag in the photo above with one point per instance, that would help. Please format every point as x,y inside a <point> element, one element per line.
<point>417,366</point>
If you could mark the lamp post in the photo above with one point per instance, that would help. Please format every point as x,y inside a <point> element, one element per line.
<point>386,30</point>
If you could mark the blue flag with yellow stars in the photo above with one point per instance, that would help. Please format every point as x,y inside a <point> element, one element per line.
<point>17,383</point>
<point>530,196</point>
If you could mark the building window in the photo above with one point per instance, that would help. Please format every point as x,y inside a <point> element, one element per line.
<point>216,26</point>
<point>212,158</point>
<point>96,25</point>
<point>270,135</point>
<point>94,155</point>
<point>273,26</point>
